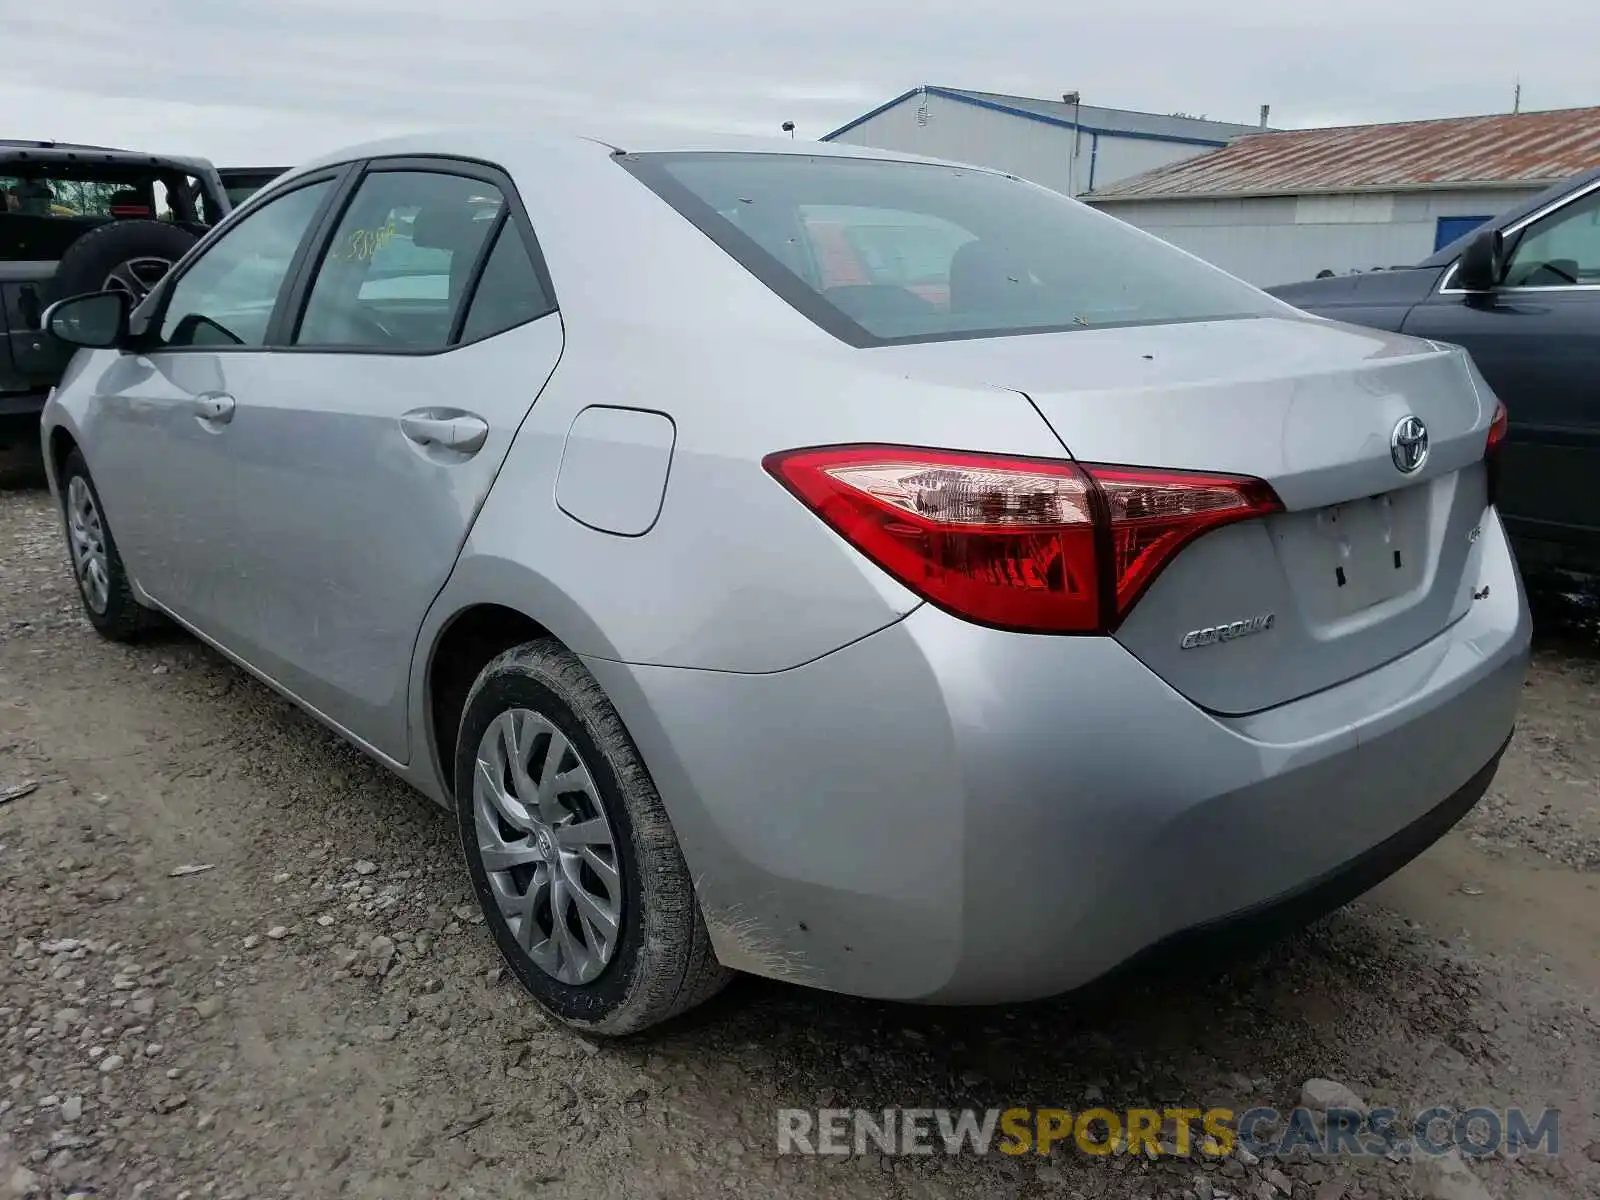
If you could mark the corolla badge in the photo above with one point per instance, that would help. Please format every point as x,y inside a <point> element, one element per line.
<point>1408,444</point>
<point>1233,630</point>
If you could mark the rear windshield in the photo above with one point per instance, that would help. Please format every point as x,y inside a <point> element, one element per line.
<point>879,251</point>
<point>45,207</point>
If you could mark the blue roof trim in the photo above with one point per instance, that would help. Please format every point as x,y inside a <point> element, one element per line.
<point>882,108</point>
<point>1043,119</point>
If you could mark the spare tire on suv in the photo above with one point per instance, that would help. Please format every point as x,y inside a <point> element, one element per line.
<point>128,256</point>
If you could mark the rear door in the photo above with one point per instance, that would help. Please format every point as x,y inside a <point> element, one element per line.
<point>424,329</point>
<point>1537,341</point>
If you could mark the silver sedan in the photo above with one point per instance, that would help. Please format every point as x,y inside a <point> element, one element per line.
<point>872,573</point>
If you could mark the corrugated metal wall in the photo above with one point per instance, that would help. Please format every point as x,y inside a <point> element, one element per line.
<point>1283,239</point>
<point>944,128</point>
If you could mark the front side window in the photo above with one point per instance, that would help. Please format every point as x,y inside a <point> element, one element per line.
<point>226,298</point>
<point>880,251</point>
<point>1560,251</point>
<point>400,261</point>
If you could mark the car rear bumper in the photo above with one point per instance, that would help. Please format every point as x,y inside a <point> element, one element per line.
<point>948,813</point>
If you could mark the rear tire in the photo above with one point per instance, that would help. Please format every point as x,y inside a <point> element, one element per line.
<point>541,751</point>
<point>103,584</point>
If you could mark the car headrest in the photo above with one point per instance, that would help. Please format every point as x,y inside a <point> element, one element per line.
<point>451,226</point>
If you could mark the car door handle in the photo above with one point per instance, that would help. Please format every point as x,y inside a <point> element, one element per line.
<point>458,431</point>
<point>216,408</point>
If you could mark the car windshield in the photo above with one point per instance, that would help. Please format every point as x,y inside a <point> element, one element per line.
<point>878,251</point>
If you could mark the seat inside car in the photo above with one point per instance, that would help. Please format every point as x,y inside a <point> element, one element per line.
<point>458,229</point>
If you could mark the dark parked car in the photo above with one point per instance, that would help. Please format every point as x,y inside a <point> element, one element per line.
<point>77,219</point>
<point>1522,294</point>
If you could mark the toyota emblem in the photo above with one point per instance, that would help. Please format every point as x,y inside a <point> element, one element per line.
<point>1408,445</point>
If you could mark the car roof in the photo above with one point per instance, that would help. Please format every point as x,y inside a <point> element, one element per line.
<point>506,146</point>
<point>17,151</point>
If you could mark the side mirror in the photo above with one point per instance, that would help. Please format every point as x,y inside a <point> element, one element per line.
<point>1482,264</point>
<point>98,320</point>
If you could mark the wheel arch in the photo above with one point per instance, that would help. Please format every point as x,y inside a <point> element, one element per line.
<point>59,445</point>
<point>488,606</point>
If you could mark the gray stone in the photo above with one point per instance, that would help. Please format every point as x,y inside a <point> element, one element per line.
<point>1447,1177</point>
<point>72,1109</point>
<point>1322,1095</point>
<point>382,950</point>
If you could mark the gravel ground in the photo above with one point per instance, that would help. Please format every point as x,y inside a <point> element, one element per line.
<point>242,963</point>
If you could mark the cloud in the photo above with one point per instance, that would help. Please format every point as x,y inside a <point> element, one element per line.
<point>278,81</point>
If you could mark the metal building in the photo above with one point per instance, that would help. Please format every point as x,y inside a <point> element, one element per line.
<point>1277,207</point>
<point>1062,144</point>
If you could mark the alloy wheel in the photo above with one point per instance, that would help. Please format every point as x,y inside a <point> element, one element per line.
<point>87,533</point>
<point>137,276</point>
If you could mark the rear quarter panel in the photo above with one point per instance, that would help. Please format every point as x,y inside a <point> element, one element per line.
<point>735,574</point>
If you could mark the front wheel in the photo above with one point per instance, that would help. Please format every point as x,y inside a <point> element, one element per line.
<point>572,857</point>
<point>102,580</point>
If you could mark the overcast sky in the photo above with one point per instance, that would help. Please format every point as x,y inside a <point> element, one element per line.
<point>273,81</point>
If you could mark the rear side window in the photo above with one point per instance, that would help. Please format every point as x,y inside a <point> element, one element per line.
<point>400,262</point>
<point>509,292</point>
<point>879,251</point>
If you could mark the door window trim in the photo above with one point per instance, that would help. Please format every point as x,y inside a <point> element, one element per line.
<point>153,312</point>
<point>1513,230</point>
<point>286,317</point>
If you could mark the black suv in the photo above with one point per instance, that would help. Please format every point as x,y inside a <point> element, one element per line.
<point>1522,294</point>
<point>77,219</point>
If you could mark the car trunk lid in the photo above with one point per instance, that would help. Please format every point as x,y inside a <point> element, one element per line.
<point>1365,562</point>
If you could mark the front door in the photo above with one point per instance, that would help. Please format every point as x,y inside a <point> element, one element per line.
<point>156,438</point>
<point>373,434</point>
<point>1536,339</point>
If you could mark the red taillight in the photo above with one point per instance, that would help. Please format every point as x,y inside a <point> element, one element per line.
<point>1020,543</point>
<point>1498,425</point>
<point>1154,514</point>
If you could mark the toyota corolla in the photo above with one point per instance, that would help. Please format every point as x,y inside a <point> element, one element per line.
<point>871,573</point>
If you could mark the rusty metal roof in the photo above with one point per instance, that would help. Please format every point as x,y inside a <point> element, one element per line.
<point>1535,149</point>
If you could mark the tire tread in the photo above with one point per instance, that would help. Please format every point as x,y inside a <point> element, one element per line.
<point>691,973</point>
<point>125,619</point>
